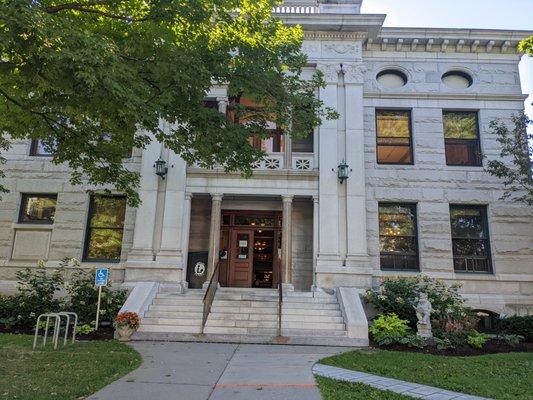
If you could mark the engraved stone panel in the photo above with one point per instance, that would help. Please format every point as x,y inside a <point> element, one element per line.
<point>31,244</point>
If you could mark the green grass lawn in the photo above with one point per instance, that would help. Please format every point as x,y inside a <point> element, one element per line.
<point>70,372</point>
<point>499,376</point>
<point>335,390</point>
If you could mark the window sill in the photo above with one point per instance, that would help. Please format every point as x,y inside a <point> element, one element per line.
<point>32,227</point>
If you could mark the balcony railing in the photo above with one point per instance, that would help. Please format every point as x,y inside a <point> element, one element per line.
<point>276,161</point>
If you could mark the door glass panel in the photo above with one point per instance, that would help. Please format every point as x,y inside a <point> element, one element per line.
<point>245,220</point>
<point>242,245</point>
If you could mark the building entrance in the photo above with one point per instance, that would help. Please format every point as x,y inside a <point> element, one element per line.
<point>251,242</point>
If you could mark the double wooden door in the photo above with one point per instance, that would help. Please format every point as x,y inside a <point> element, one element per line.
<point>244,267</point>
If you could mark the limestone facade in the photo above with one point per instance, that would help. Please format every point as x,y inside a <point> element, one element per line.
<point>334,227</point>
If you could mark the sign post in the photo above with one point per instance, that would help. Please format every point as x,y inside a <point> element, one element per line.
<point>101,279</point>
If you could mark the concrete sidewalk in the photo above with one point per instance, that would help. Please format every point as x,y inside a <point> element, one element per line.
<point>202,371</point>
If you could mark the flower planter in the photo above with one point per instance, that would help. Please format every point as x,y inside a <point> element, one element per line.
<point>124,333</point>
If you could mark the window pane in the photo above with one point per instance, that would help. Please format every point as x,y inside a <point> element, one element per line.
<point>393,124</point>
<point>463,152</point>
<point>399,244</point>
<point>104,244</point>
<point>38,148</point>
<point>304,145</point>
<point>470,239</point>
<point>38,209</point>
<point>394,154</point>
<point>396,220</point>
<point>108,212</point>
<point>398,237</point>
<point>467,223</point>
<point>460,125</point>
<point>253,221</point>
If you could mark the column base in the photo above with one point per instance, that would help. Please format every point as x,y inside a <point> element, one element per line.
<point>287,287</point>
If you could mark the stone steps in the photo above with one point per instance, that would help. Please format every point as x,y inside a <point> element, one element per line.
<point>245,314</point>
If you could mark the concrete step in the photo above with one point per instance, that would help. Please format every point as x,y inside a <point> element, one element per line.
<point>243,317</point>
<point>173,321</point>
<point>312,332</point>
<point>300,325</point>
<point>186,295</point>
<point>173,314</point>
<point>244,303</point>
<point>176,308</point>
<point>239,331</point>
<point>177,301</point>
<point>310,300</point>
<point>244,296</point>
<point>312,319</point>
<point>317,306</point>
<point>243,310</point>
<point>311,312</point>
<point>241,323</point>
<point>169,328</point>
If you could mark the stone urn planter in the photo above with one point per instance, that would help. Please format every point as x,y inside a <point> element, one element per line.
<point>124,333</point>
<point>126,323</point>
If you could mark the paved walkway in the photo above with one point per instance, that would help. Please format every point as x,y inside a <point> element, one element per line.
<point>394,385</point>
<point>212,371</point>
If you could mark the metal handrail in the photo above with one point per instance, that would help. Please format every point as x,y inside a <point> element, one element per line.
<point>280,304</point>
<point>210,295</point>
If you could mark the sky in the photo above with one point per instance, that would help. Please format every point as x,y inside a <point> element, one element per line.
<point>482,14</point>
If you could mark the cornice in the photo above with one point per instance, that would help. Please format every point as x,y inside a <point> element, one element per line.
<point>447,40</point>
<point>325,35</point>
<point>446,96</point>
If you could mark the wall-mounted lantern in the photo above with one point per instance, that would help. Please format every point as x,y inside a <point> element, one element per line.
<point>343,171</point>
<point>161,168</point>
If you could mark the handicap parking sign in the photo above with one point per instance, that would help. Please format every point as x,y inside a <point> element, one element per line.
<point>101,277</point>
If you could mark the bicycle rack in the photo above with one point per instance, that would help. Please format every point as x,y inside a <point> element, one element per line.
<point>57,327</point>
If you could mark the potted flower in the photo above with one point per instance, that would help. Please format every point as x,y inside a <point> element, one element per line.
<point>125,324</point>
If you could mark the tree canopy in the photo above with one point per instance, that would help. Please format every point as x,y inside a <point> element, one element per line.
<point>526,46</point>
<point>514,164</point>
<point>93,78</point>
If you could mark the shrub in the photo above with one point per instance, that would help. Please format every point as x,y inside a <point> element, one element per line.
<point>476,339</point>
<point>400,296</point>
<point>413,340</point>
<point>388,329</point>
<point>37,289</point>
<point>512,340</point>
<point>83,298</point>
<point>518,325</point>
<point>443,344</point>
<point>85,329</point>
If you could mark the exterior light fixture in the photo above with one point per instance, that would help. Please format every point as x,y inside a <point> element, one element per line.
<point>161,168</point>
<point>343,171</point>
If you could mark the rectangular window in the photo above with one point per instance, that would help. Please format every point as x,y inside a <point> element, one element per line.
<point>273,144</point>
<point>37,148</point>
<point>394,139</point>
<point>37,209</point>
<point>461,138</point>
<point>304,145</point>
<point>398,236</point>
<point>470,238</point>
<point>105,228</point>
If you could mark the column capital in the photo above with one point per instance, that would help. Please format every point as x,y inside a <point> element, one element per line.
<point>287,198</point>
<point>188,195</point>
<point>354,73</point>
<point>216,196</point>
<point>330,71</point>
<point>315,199</point>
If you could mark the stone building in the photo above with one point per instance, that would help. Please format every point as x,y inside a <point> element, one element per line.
<point>412,139</point>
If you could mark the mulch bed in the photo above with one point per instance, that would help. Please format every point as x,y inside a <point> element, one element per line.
<point>103,333</point>
<point>490,347</point>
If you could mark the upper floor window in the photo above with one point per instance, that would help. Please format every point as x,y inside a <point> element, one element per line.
<point>470,238</point>
<point>303,145</point>
<point>461,138</point>
<point>105,228</point>
<point>37,209</point>
<point>211,103</point>
<point>398,243</point>
<point>394,139</point>
<point>37,148</point>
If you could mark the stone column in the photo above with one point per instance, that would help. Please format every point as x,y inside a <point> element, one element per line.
<point>214,233</point>
<point>328,246</point>
<point>174,201</point>
<point>286,243</point>
<point>315,237</point>
<point>143,235</point>
<point>357,252</point>
<point>186,223</point>
<point>222,104</point>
